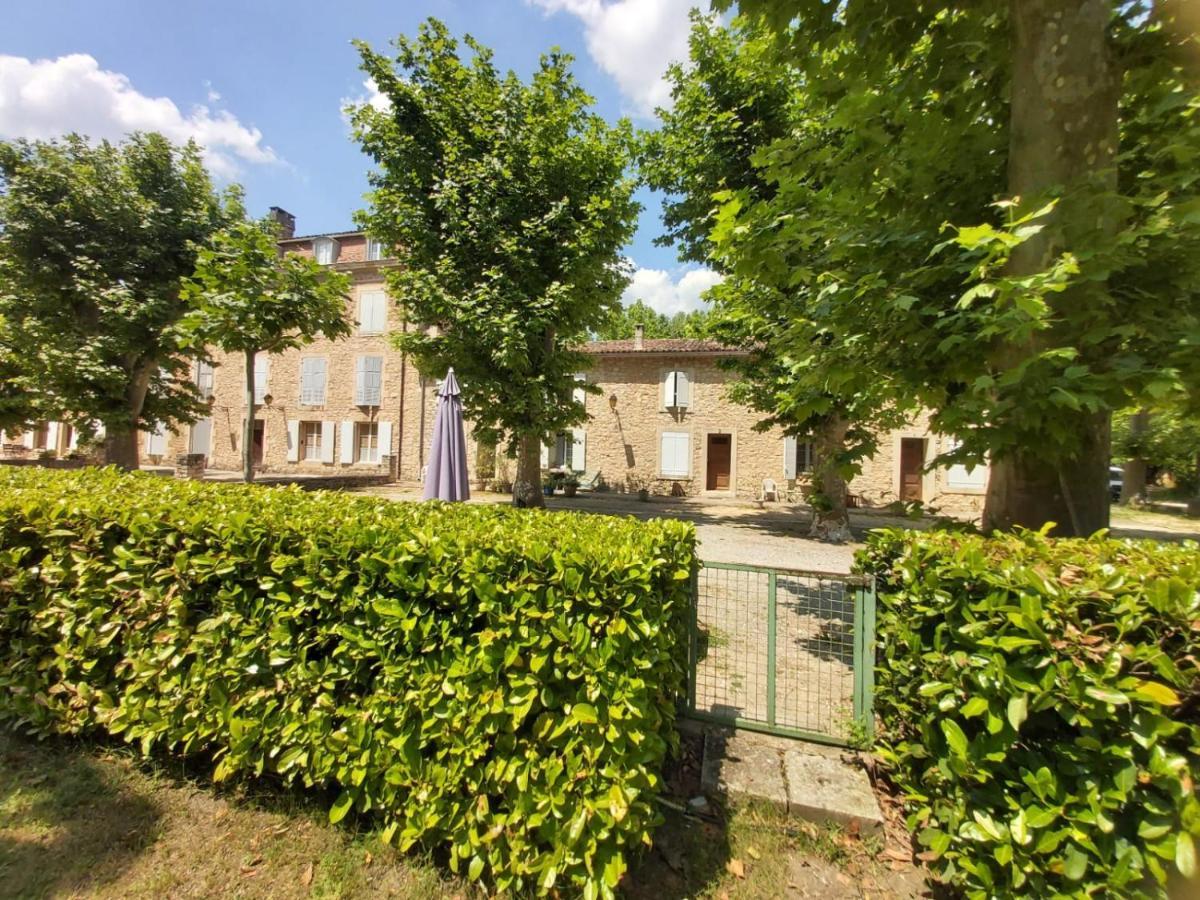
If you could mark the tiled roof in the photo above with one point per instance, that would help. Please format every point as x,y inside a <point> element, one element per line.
<point>660,345</point>
<point>328,234</point>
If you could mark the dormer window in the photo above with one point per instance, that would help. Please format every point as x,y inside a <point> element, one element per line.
<point>374,250</point>
<point>325,251</point>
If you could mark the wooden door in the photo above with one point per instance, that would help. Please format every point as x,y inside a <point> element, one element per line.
<point>719,447</point>
<point>259,438</point>
<point>912,459</point>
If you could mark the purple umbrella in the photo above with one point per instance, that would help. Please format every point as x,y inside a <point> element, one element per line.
<point>446,474</point>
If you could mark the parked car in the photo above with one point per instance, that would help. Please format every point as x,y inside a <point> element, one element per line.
<point>1116,481</point>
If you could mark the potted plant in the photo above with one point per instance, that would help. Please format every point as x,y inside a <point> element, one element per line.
<point>570,484</point>
<point>641,485</point>
<point>548,485</point>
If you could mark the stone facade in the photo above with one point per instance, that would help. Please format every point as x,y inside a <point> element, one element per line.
<point>661,419</point>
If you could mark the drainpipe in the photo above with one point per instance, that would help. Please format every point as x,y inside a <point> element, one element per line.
<point>400,417</point>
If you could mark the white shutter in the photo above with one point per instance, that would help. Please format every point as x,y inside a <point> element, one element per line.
<point>372,312</point>
<point>683,390</point>
<point>385,440</point>
<point>545,456</point>
<point>347,455</point>
<point>101,431</point>
<point>293,436</point>
<point>262,373</point>
<point>960,476</point>
<point>201,437</point>
<point>675,453</point>
<point>668,390</point>
<point>52,436</point>
<point>368,381</point>
<point>73,443</point>
<point>27,440</point>
<point>327,442</point>
<point>789,457</point>
<point>312,381</point>
<point>579,448</point>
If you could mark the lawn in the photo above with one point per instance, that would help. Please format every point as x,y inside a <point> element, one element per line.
<point>79,819</point>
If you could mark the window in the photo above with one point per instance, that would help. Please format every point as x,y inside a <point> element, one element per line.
<point>369,383</point>
<point>677,393</point>
<point>675,454</point>
<point>310,441</point>
<point>798,457</point>
<point>262,369</point>
<point>366,440</point>
<point>372,312</point>
<point>963,477</point>
<point>374,249</point>
<point>156,441</point>
<point>41,436</point>
<point>204,378</point>
<point>325,251</point>
<point>569,450</point>
<point>312,381</point>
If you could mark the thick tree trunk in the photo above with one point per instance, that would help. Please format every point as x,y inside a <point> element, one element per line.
<point>1133,475</point>
<point>121,439</point>
<point>527,486</point>
<point>1025,489</point>
<point>831,521</point>
<point>248,424</point>
<point>1065,89</point>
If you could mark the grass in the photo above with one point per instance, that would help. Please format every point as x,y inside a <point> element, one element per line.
<point>85,820</point>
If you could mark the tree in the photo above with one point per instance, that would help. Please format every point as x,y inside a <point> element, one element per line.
<point>621,322</point>
<point>730,104</point>
<point>250,299</point>
<point>509,204</point>
<point>1066,285</point>
<point>1159,441</point>
<point>95,241</point>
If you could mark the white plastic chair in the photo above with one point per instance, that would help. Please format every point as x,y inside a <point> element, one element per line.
<point>770,491</point>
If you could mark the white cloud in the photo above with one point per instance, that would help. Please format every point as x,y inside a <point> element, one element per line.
<point>633,41</point>
<point>46,98</point>
<point>214,96</point>
<point>373,97</point>
<point>669,293</point>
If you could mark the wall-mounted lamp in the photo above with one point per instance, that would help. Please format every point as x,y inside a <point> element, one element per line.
<point>267,399</point>
<point>612,402</point>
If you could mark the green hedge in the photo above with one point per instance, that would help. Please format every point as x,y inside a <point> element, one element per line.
<point>1040,703</point>
<point>496,683</point>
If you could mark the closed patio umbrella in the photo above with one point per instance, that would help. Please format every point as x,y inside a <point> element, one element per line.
<point>446,474</point>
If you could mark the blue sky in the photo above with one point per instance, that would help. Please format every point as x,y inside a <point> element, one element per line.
<point>261,84</point>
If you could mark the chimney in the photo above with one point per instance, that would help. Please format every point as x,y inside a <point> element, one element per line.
<point>639,334</point>
<point>285,220</point>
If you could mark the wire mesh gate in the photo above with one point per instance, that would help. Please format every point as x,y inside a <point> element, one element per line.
<point>784,651</point>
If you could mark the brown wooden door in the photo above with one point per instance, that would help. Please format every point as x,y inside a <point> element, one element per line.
<point>719,446</point>
<point>912,459</point>
<point>257,446</point>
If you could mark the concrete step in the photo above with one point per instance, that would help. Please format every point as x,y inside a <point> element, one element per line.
<point>808,781</point>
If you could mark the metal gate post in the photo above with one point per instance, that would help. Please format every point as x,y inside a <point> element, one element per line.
<point>771,585</point>
<point>693,646</point>
<point>864,657</point>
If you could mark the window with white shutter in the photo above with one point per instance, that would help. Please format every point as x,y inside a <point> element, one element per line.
<point>367,442</point>
<point>312,381</point>
<point>962,477</point>
<point>156,441</point>
<point>310,441</point>
<point>675,454</point>
<point>374,249</point>
<point>369,381</point>
<point>325,251</point>
<point>204,378</point>
<point>372,312</point>
<point>677,392</point>
<point>262,375</point>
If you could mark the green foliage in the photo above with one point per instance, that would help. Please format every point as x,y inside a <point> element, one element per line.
<point>95,240</point>
<point>1040,702</point>
<point>621,321</point>
<point>494,682</point>
<point>1170,443</point>
<point>248,298</point>
<point>510,204</point>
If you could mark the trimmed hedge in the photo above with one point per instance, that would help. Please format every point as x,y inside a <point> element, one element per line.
<point>1040,702</point>
<point>497,683</point>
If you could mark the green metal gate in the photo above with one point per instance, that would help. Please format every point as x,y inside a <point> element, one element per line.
<point>785,651</point>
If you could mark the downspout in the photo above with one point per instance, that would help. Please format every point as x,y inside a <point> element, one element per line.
<point>400,417</point>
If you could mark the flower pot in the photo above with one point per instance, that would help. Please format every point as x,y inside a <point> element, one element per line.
<point>548,490</point>
<point>570,489</point>
<point>643,495</point>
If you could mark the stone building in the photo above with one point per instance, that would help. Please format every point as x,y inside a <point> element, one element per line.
<point>661,420</point>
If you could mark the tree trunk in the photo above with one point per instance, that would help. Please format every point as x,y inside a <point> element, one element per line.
<point>527,486</point>
<point>1065,89</point>
<point>831,521</point>
<point>121,438</point>
<point>1027,490</point>
<point>1133,475</point>
<point>248,424</point>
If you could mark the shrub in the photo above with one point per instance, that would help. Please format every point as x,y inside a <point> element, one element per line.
<point>1039,702</point>
<point>498,683</point>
